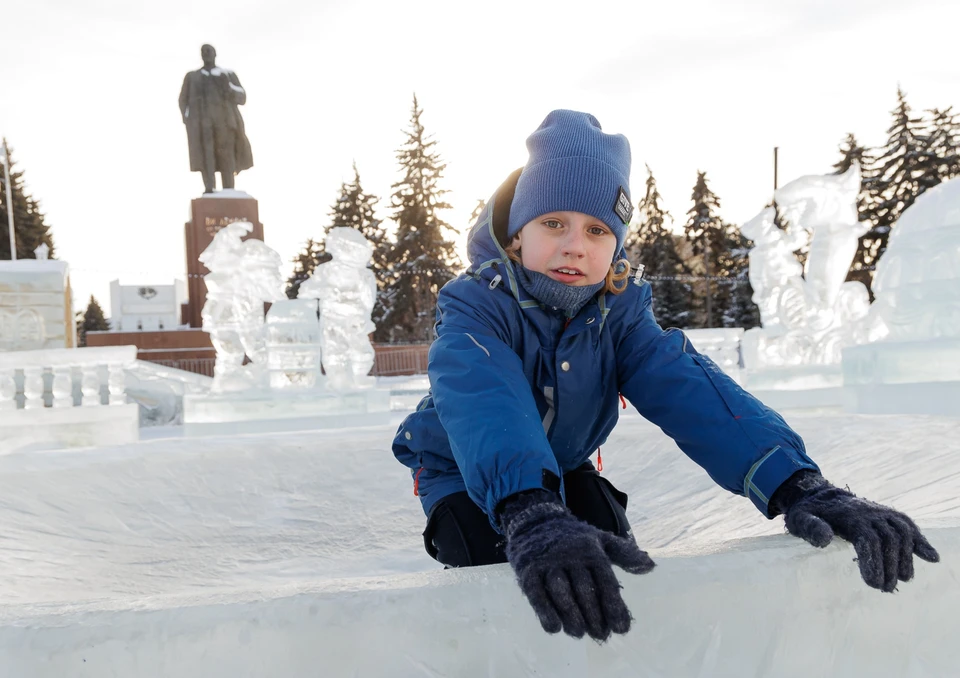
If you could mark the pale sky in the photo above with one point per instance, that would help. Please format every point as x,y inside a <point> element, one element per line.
<point>88,100</point>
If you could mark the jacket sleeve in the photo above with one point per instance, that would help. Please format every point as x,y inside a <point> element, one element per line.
<point>483,398</point>
<point>745,446</point>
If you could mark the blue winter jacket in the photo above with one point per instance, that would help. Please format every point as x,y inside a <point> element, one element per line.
<point>518,398</point>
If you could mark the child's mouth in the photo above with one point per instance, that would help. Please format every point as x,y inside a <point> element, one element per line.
<point>566,274</point>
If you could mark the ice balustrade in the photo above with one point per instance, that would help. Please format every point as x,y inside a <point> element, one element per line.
<point>62,378</point>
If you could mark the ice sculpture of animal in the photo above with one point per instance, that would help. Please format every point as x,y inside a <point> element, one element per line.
<point>347,291</point>
<point>807,320</point>
<point>243,275</point>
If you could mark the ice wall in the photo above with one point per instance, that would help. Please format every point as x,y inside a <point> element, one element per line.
<point>917,281</point>
<point>299,554</point>
<point>764,607</point>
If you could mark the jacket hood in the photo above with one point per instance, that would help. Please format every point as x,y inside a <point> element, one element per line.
<point>488,259</point>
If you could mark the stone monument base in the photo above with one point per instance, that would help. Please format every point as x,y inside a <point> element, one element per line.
<point>296,410</point>
<point>208,215</point>
<point>909,377</point>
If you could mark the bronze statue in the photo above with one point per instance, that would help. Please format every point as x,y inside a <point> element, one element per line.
<point>209,104</point>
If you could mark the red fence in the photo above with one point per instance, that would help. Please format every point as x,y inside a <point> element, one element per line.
<point>400,359</point>
<point>390,360</point>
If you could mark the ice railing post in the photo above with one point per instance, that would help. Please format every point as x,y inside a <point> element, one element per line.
<point>83,367</point>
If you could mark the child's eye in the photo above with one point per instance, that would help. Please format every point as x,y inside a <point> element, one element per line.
<point>598,230</point>
<point>552,223</point>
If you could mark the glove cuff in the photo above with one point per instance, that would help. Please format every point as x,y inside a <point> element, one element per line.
<point>801,484</point>
<point>530,506</point>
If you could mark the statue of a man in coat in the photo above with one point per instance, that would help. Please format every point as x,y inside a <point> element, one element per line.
<point>209,103</point>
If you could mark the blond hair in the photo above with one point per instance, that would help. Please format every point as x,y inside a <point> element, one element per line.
<point>617,276</point>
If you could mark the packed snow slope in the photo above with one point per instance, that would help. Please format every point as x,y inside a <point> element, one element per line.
<point>300,555</point>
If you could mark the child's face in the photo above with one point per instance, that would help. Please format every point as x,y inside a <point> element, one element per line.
<point>570,247</point>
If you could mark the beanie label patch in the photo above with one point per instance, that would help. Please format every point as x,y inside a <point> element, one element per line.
<point>623,207</point>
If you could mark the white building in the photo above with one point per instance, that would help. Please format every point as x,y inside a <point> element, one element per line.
<point>146,307</point>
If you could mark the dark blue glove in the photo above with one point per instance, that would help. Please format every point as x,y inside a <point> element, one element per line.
<point>564,566</point>
<point>885,540</point>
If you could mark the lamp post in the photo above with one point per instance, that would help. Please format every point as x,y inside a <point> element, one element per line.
<point>6,181</point>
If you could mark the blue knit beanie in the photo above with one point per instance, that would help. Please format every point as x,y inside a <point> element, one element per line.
<point>574,167</point>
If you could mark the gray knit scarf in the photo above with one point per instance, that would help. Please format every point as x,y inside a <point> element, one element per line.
<point>557,295</point>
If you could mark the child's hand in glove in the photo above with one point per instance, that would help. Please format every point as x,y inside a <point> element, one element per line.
<point>885,540</point>
<point>565,566</point>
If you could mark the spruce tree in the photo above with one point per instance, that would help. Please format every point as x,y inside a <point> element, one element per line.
<point>422,259</point>
<point>899,175</point>
<point>651,243</point>
<point>477,211</point>
<point>29,226</point>
<point>943,140</point>
<point>850,152</point>
<point>737,292</point>
<point>304,264</point>
<point>708,239</point>
<point>92,320</point>
<point>354,208</point>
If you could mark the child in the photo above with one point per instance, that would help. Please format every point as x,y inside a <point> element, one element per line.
<point>535,344</point>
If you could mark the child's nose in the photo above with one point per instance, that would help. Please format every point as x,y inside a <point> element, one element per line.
<point>574,244</point>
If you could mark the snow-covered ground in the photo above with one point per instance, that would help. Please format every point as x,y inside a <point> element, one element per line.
<point>300,554</point>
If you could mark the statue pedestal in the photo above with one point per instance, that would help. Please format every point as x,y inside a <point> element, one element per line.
<point>291,410</point>
<point>208,214</point>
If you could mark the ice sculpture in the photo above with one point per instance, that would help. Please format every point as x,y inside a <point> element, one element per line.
<point>293,344</point>
<point>347,290</point>
<point>808,319</point>
<point>917,282</point>
<point>772,263</point>
<point>243,275</point>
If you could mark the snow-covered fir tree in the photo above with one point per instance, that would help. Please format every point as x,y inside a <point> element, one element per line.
<point>304,264</point>
<point>91,320</point>
<point>353,208</point>
<point>422,259</point>
<point>706,233</point>
<point>943,141</point>
<point>851,152</point>
<point>651,243</point>
<point>723,298</point>
<point>30,227</point>
<point>477,211</point>
<point>900,173</point>
<point>736,292</point>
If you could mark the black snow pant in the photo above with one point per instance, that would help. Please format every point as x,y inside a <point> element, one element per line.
<point>459,533</point>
